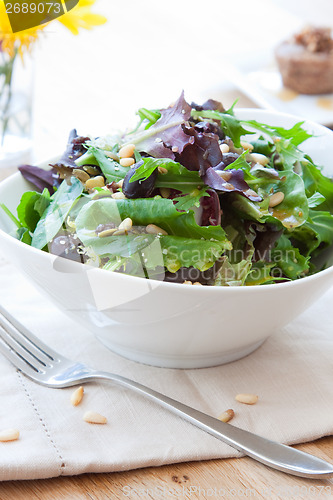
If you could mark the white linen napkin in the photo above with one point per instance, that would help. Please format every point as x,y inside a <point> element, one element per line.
<point>291,373</point>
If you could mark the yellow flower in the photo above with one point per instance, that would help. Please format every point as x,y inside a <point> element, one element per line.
<point>9,41</point>
<point>79,17</point>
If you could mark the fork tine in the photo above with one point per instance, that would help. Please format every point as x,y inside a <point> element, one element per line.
<point>17,360</point>
<point>13,345</point>
<point>26,339</point>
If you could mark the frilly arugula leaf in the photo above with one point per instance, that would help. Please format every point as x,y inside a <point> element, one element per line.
<point>317,230</point>
<point>231,126</point>
<point>190,200</point>
<point>315,181</point>
<point>289,259</point>
<point>284,140</point>
<point>296,134</point>
<point>288,153</point>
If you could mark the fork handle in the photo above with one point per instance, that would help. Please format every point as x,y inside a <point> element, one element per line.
<point>275,455</point>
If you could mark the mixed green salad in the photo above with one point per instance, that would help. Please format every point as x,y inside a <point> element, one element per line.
<point>191,195</point>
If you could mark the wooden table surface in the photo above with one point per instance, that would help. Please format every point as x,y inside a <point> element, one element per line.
<point>231,478</point>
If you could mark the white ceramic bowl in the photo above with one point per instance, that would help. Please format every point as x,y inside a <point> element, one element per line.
<point>167,324</point>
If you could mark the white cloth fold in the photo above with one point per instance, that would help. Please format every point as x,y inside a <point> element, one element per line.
<point>291,373</point>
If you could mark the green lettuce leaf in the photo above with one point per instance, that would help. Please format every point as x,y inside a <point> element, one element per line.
<point>317,231</point>
<point>192,244</point>
<point>55,214</point>
<point>291,212</point>
<point>260,274</point>
<point>31,207</point>
<point>316,182</point>
<point>289,259</point>
<point>112,170</point>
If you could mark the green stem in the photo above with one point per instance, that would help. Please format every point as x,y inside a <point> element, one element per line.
<point>10,215</point>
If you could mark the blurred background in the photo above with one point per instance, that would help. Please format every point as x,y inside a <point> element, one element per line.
<point>149,51</point>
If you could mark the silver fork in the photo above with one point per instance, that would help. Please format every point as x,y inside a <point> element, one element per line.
<point>46,367</point>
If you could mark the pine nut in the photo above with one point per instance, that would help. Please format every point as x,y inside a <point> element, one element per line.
<point>94,182</point>
<point>81,175</point>
<point>162,170</point>
<point>228,186</point>
<point>9,435</point>
<point>197,283</point>
<point>77,396</point>
<point>250,192</point>
<point>126,151</point>
<point>118,196</point>
<point>227,415</point>
<point>120,183</point>
<point>246,145</point>
<point>91,170</point>
<point>107,232</point>
<point>259,158</point>
<point>247,399</point>
<point>126,162</point>
<point>126,224</point>
<point>224,148</point>
<point>187,282</point>
<point>165,192</point>
<point>94,418</point>
<point>224,174</point>
<point>276,199</point>
<point>152,229</point>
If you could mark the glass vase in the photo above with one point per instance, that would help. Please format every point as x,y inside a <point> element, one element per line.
<point>16,93</point>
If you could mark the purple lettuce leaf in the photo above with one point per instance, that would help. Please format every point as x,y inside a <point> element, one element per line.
<point>166,137</point>
<point>202,152</point>
<point>211,209</point>
<point>75,148</point>
<point>232,183</point>
<point>210,104</point>
<point>264,238</point>
<point>40,178</point>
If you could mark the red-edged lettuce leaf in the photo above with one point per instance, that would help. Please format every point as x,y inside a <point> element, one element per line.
<point>209,104</point>
<point>211,209</point>
<point>235,184</point>
<point>202,152</point>
<point>74,150</point>
<point>166,136</point>
<point>40,178</point>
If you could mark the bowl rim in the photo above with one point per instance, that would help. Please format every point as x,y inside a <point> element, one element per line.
<point>245,289</point>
